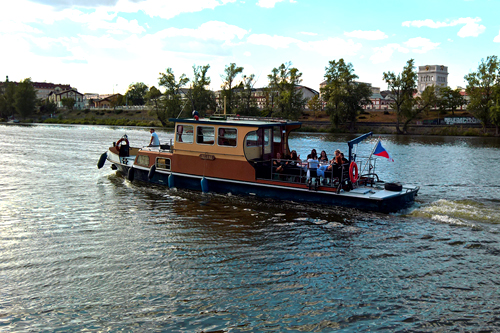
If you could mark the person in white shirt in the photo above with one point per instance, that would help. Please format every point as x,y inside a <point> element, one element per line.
<point>154,138</point>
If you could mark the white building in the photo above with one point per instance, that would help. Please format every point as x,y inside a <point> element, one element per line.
<point>432,75</point>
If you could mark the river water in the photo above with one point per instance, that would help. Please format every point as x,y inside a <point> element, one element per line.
<point>84,249</point>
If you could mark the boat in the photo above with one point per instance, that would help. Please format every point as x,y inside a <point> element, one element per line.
<point>239,155</point>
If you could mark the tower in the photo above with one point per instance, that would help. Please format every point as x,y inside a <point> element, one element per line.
<point>429,75</point>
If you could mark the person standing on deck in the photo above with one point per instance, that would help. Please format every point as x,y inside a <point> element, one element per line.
<point>154,138</point>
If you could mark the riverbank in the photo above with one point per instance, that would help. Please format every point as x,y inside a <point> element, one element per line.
<point>379,122</point>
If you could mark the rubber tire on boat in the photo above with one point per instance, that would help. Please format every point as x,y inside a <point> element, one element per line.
<point>102,160</point>
<point>130,174</point>
<point>395,187</point>
<point>152,171</point>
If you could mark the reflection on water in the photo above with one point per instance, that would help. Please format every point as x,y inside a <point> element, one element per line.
<point>82,248</point>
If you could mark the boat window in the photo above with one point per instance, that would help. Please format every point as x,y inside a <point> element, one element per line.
<point>254,139</point>
<point>163,163</point>
<point>143,160</point>
<point>184,133</point>
<point>277,134</point>
<point>227,137</point>
<point>205,135</point>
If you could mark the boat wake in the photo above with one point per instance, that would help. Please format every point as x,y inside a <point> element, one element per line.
<point>460,212</point>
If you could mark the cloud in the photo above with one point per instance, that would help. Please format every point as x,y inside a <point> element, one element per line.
<point>168,9</point>
<point>210,30</point>
<point>276,42</point>
<point>308,33</point>
<point>421,45</point>
<point>271,3</point>
<point>470,28</point>
<point>497,38</point>
<point>384,53</point>
<point>369,35</point>
<point>332,47</point>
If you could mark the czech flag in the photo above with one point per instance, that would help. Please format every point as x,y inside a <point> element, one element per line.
<point>380,151</point>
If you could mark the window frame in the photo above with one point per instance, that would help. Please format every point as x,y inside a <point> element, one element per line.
<point>226,128</point>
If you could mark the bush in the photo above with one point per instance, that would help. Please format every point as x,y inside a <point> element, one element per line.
<point>386,112</point>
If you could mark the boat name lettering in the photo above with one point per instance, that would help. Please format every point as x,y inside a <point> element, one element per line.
<point>207,157</point>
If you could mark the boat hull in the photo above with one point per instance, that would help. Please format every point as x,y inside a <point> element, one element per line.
<point>392,202</point>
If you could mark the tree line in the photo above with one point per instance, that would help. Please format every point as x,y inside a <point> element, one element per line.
<point>343,98</point>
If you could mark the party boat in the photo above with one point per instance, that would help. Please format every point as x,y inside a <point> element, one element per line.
<point>238,155</point>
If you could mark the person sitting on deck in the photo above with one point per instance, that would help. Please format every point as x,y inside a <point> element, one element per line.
<point>322,157</point>
<point>344,160</point>
<point>278,163</point>
<point>154,141</point>
<point>312,166</point>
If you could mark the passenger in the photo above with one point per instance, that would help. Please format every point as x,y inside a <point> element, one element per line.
<point>344,160</point>
<point>154,138</point>
<point>312,165</point>
<point>322,157</point>
<point>278,163</point>
<point>314,154</point>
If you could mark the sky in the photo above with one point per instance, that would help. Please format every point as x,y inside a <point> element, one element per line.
<point>103,46</point>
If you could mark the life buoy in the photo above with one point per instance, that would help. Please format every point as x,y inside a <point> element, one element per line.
<point>120,141</point>
<point>353,167</point>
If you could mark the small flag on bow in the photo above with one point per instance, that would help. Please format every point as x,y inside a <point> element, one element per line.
<point>380,151</point>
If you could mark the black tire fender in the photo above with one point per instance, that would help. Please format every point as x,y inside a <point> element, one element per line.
<point>395,187</point>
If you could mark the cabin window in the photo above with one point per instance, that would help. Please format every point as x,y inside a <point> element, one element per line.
<point>143,160</point>
<point>163,163</point>
<point>227,137</point>
<point>184,133</point>
<point>277,134</point>
<point>205,135</point>
<point>254,139</point>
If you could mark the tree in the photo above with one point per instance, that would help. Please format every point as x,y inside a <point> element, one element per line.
<point>481,87</point>
<point>7,99</point>
<point>422,103</point>
<point>449,99</point>
<point>343,95</point>
<point>315,104</point>
<point>48,107</point>
<point>284,87</point>
<point>231,98</point>
<point>171,103</point>
<point>25,98</point>
<point>402,88</point>
<point>136,93</point>
<point>68,103</point>
<point>495,115</point>
<point>201,97</point>
<point>153,97</point>
<point>247,105</point>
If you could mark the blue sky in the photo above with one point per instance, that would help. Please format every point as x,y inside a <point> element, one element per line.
<point>101,46</point>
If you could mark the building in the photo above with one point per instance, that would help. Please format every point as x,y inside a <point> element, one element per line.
<point>432,75</point>
<point>57,97</point>
<point>107,102</point>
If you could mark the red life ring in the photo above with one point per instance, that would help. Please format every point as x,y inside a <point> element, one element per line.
<point>353,167</point>
<point>120,141</point>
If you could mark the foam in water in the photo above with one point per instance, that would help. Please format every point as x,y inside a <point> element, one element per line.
<point>460,212</point>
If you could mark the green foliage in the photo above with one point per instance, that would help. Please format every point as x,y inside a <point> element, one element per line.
<point>402,87</point>
<point>136,94</point>
<point>344,97</point>
<point>25,98</point>
<point>287,100</point>
<point>247,106</point>
<point>201,97</point>
<point>7,99</point>
<point>170,104</point>
<point>48,107</point>
<point>315,104</point>
<point>228,93</point>
<point>68,103</point>
<point>482,86</point>
<point>449,99</point>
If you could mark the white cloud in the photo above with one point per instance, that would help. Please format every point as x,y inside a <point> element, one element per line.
<point>276,42</point>
<point>168,9</point>
<point>497,38</point>
<point>471,26</point>
<point>210,30</point>
<point>332,47</point>
<point>247,54</point>
<point>384,53</point>
<point>308,33</point>
<point>421,45</point>
<point>268,3</point>
<point>369,35</point>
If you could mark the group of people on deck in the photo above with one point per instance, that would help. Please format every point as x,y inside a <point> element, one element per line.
<point>316,166</point>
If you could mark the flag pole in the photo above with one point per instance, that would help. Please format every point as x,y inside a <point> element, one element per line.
<point>371,154</point>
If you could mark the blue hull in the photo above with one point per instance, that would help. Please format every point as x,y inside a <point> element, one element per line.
<point>386,205</point>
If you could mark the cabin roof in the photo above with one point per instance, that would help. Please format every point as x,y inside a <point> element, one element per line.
<point>238,121</point>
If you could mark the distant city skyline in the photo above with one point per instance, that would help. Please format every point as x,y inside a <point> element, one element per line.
<point>102,46</point>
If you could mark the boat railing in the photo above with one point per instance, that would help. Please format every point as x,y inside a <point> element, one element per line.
<point>168,148</point>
